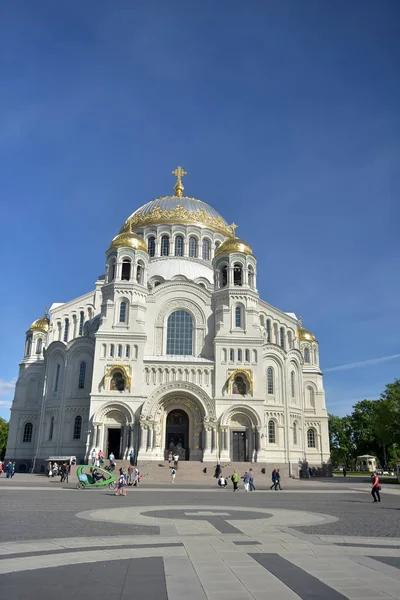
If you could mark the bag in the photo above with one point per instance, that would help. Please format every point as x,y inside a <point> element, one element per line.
<point>379,487</point>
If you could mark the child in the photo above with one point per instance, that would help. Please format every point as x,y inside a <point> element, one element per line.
<point>121,489</point>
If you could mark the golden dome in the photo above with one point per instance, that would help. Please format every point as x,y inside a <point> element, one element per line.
<point>128,240</point>
<point>305,335</point>
<point>42,324</point>
<point>232,245</point>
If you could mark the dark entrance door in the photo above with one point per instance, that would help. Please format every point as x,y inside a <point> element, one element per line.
<point>239,446</point>
<point>114,442</point>
<point>177,436</point>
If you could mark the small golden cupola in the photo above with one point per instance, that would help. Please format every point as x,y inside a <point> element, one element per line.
<point>232,245</point>
<point>42,324</point>
<point>304,335</point>
<point>127,239</point>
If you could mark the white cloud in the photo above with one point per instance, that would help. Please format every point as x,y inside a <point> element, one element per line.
<point>7,387</point>
<point>363,363</point>
<point>5,403</point>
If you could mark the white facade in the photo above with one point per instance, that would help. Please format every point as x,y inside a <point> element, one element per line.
<point>227,376</point>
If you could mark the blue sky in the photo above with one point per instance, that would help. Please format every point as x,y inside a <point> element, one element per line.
<point>286,117</point>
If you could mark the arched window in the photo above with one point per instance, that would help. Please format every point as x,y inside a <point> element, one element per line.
<point>217,244</point>
<point>223,355</point>
<point>247,355</point>
<point>271,432</point>
<point>311,397</point>
<point>139,273</point>
<point>51,430</point>
<point>117,382</point>
<point>81,322</point>
<point>254,356</point>
<point>180,333</point>
<point>231,355</point>
<point>238,316</point>
<point>57,381</point>
<point>122,312</point>
<point>193,247</point>
<point>111,272</point>
<point>270,380</point>
<point>239,385</point>
<point>165,245</point>
<point>237,274</point>
<point>268,331</point>
<point>179,245</point>
<point>292,383</point>
<point>77,427</point>
<point>39,346</point>
<point>307,355</point>
<point>127,351</point>
<point>289,339</point>
<point>311,438</point>
<point>295,433</point>
<point>135,351</point>
<point>251,277</point>
<point>119,351</point>
<point>239,356</point>
<point>282,337</point>
<point>151,245</point>
<point>111,350</point>
<point>224,276</point>
<point>82,375</point>
<point>126,270</point>
<point>206,249</point>
<point>66,329</point>
<point>28,345</point>
<point>28,430</point>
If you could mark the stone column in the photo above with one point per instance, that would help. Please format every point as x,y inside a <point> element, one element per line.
<point>143,439</point>
<point>230,275</point>
<point>97,437</point>
<point>207,452</point>
<point>150,440</point>
<point>130,440</point>
<point>224,454</point>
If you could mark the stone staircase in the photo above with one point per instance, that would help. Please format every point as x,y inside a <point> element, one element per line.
<point>193,472</point>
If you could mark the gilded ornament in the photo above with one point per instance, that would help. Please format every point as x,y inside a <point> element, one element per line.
<point>179,173</point>
<point>246,373</point>
<point>42,324</point>
<point>177,216</point>
<point>304,335</point>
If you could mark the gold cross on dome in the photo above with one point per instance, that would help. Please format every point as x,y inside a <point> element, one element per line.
<point>234,227</point>
<point>179,173</point>
<point>46,311</point>
<point>300,322</point>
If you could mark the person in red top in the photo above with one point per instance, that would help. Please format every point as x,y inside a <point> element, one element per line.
<point>375,488</point>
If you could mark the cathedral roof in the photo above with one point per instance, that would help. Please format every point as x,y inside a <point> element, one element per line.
<point>178,209</point>
<point>305,335</point>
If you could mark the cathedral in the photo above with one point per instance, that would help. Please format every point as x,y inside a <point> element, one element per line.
<point>172,349</point>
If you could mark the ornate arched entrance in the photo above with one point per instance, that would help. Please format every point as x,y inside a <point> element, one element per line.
<point>178,414</point>
<point>113,427</point>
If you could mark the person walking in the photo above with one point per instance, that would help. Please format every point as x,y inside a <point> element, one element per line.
<point>235,480</point>
<point>344,471</point>
<point>376,488</point>
<point>173,474</point>
<point>94,456</point>
<point>132,457</point>
<point>176,460</point>
<point>278,480</point>
<point>121,489</point>
<point>246,481</point>
<point>100,457</point>
<point>1,468</point>
<point>273,479</point>
<point>170,458</point>
<point>111,459</point>
<point>218,471</point>
<point>129,478</point>
<point>251,480</point>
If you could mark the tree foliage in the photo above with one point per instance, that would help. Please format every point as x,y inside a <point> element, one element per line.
<point>3,437</point>
<point>373,427</point>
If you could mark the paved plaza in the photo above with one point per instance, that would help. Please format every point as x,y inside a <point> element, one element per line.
<point>313,540</point>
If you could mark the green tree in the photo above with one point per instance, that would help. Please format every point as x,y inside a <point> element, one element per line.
<point>3,437</point>
<point>341,440</point>
<point>387,424</point>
